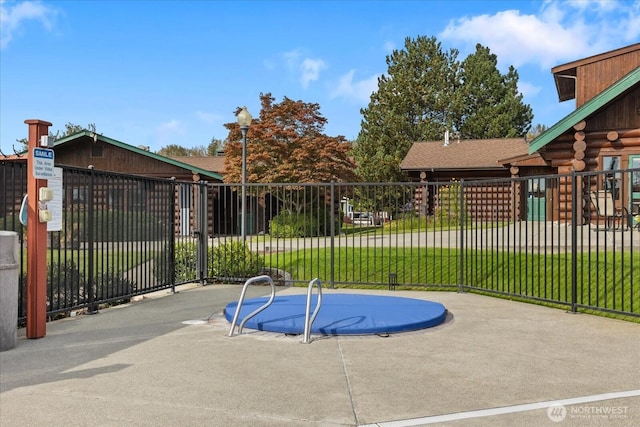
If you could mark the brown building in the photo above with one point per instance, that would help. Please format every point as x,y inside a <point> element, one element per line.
<point>603,133</point>
<point>88,148</point>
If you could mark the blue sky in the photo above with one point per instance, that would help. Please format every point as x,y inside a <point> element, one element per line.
<point>155,73</point>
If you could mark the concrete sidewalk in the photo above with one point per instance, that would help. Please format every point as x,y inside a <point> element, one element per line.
<point>166,361</point>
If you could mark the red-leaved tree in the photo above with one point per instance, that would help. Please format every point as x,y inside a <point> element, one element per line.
<point>286,144</point>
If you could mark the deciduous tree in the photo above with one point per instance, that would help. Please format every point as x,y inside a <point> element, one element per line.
<point>286,144</point>
<point>69,129</point>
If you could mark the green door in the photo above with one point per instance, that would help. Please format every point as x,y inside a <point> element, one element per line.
<point>536,200</point>
<point>634,185</point>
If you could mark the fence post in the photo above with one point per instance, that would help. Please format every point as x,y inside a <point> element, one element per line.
<point>333,234</point>
<point>574,241</point>
<point>90,241</point>
<point>461,242</point>
<point>202,234</point>
<point>172,235</point>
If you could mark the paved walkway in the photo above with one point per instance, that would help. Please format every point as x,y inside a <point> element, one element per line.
<point>166,361</point>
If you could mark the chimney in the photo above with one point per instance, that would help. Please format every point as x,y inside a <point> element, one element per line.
<point>446,137</point>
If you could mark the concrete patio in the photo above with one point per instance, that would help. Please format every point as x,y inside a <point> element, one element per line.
<point>166,360</point>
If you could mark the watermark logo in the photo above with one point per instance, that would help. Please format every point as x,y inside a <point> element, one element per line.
<point>559,413</point>
<point>556,413</point>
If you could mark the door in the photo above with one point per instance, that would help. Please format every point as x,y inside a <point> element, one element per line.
<point>634,184</point>
<point>536,200</point>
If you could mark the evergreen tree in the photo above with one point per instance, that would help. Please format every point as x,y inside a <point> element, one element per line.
<point>426,92</point>
<point>214,147</point>
<point>491,102</point>
<point>415,101</point>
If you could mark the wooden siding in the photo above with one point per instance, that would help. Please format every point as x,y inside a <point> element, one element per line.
<point>624,113</point>
<point>495,201</point>
<point>593,78</point>
<point>490,202</point>
<point>114,159</point>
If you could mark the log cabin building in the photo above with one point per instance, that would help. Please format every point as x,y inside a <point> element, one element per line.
<point>602,133</point>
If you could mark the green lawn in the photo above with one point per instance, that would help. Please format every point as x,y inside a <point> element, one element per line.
<point>604,279</point>
<point>103,261</point>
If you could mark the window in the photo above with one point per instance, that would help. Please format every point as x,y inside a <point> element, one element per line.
<point>612,180</point>
<point>78,195</point>
<point>96,150</point>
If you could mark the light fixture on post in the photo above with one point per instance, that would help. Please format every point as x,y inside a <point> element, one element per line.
<point>244,120</point>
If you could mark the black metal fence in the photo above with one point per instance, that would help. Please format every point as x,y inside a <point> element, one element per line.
<point>570,240</point>
<point>116,237</point>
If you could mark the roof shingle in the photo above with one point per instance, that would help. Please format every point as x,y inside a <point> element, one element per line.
<point>466,154</point>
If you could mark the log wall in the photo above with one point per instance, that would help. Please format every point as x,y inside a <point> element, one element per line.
<point>583,151</point>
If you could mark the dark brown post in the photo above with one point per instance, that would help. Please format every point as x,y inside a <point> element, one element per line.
<point>36,241</point>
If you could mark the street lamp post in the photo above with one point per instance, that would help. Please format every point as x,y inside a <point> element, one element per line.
<point>244,120</point>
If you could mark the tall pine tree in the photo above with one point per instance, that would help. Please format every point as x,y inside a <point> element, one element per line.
<point>426,92</point>
<point>413,103</point>
<point>491,102</point>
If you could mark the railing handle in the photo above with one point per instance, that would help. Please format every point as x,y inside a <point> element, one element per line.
<point>309,321</point>
<point>241,300</point>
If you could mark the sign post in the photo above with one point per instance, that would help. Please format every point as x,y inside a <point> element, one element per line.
<point>38,166</point>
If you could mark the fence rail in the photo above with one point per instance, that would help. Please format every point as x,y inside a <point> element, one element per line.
<point>116,239</point>
<point>544,238</point>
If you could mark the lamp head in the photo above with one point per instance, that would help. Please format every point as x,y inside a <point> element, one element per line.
<point>244,118</point>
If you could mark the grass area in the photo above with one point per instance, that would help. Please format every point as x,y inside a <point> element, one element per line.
<point>103,261</point>
<point>605,280</point>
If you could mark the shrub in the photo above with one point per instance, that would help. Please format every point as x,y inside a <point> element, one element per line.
<point>308,224</point>
<point>186,257</point>
<point>112,285</point>
<point>65,286</point>
<point>448,211</point>
<point>289,224</point>
<point>234,260</point>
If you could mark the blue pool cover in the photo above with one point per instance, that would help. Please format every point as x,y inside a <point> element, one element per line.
<point>341,314</point>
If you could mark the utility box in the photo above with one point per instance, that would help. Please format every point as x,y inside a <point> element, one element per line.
<point>9,266</point>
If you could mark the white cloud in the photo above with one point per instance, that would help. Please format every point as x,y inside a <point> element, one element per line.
<point>632,23</point>
<point>14,15</point>
<point>292,58</point>
<point>559,32</point>
<point>389,46</point>
<point>168,130</point>
<point>310,69</point>
<point>528,89</point>
<point>359,91</point>
<point>209,118</point>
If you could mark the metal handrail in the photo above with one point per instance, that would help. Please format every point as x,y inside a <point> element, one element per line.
<point>241,300</point>
<point>308,322</point>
